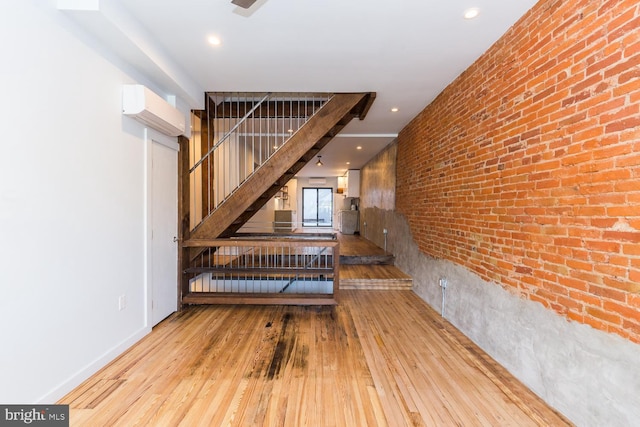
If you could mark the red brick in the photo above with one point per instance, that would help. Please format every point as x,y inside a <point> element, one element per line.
<point>628,123</point>
<point>622,236</point>
<point>632,287</point>
<point>537,188</point>
<point>604,315</point>
<point>609,293</point>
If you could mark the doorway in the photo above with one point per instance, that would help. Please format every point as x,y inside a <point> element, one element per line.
<point>163,219</point>
<point>317,207</point>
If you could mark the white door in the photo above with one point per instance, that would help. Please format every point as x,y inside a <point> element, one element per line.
<point>164,225</point>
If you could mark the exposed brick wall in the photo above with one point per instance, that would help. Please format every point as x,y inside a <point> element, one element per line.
<point>526,169</point>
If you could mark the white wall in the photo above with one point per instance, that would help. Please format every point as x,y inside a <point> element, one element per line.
<point>71,207</point>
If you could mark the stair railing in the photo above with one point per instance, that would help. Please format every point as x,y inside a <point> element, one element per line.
<point>236,136</point>
<point>268,268</point>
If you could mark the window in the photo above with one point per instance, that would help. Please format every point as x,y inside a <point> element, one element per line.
<point>317,207</point>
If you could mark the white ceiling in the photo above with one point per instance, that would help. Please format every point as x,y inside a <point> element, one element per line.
<point>407,51</point>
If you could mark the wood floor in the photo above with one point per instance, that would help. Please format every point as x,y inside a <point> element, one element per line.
<point>356,245</point>
<point>379,358</point>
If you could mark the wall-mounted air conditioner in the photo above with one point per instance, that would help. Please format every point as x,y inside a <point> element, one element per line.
<point>147,107</point>
<point>317,181</point>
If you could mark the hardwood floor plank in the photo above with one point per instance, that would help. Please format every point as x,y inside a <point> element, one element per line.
<point>379,358</point>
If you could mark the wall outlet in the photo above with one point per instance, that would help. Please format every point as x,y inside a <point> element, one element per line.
<point>443,282</point>
<point>122,302</point>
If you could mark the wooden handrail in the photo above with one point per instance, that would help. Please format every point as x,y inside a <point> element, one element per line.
<point>275,242</point>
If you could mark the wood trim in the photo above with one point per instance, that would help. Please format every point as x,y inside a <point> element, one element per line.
<point>259,299</point>
<point>263,273</point>
<point>184,215</point>
<point>267,109</point>
<point>205,167</point>
<point>276,243</point>
<point>336,270</point>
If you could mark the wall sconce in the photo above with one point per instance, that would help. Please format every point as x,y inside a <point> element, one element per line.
<point>319,162</point>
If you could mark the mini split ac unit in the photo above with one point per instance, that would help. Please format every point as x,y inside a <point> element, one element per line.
<point>147,107</point>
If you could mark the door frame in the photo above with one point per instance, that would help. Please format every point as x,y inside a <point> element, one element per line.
<point>330,225</point>
<point>152,136</point>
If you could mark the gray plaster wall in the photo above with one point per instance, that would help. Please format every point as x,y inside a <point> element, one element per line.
<point>591,377</point>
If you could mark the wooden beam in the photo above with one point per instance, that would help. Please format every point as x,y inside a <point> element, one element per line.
<point>366,105</point>
<point>184,217</point>
<point>259,299</point>
<point>275,242</point>
<point>262,273</point>
<point>267,110</point>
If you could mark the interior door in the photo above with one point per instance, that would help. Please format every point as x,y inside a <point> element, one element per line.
<point>164,224</point>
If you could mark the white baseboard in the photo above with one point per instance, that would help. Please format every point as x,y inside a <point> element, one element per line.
<point>75,380</point>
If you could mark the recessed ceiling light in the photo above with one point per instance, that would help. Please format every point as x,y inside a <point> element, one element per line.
<point>348,163</point>
<point>394,110</point>
<point>471,13</point>
<point>359,147</point>
<point>214,40</point>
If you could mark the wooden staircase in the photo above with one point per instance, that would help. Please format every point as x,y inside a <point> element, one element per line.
<point>301,148</point>
<point>199,245</point>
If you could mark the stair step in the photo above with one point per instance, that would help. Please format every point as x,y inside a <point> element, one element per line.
<point>376,284</point>
<point>382,259</point>
<point>374,277</point>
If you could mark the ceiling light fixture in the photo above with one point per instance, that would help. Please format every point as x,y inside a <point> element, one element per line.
<point>471,13</point>
<point>214,40</point>
<point>394,110</point>
<point>319,162</point>
<point>359,147</point>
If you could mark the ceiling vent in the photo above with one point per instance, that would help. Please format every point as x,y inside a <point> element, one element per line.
<point>245,4</point>
<point>317,181</point>
<point>145,106</point>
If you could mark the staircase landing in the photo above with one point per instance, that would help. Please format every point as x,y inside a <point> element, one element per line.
<point>364,265</point>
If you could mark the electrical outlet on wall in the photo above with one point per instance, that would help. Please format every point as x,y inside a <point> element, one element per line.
<point>122,302</point>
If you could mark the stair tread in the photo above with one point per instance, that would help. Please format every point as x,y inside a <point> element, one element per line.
<point>373,272</point>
